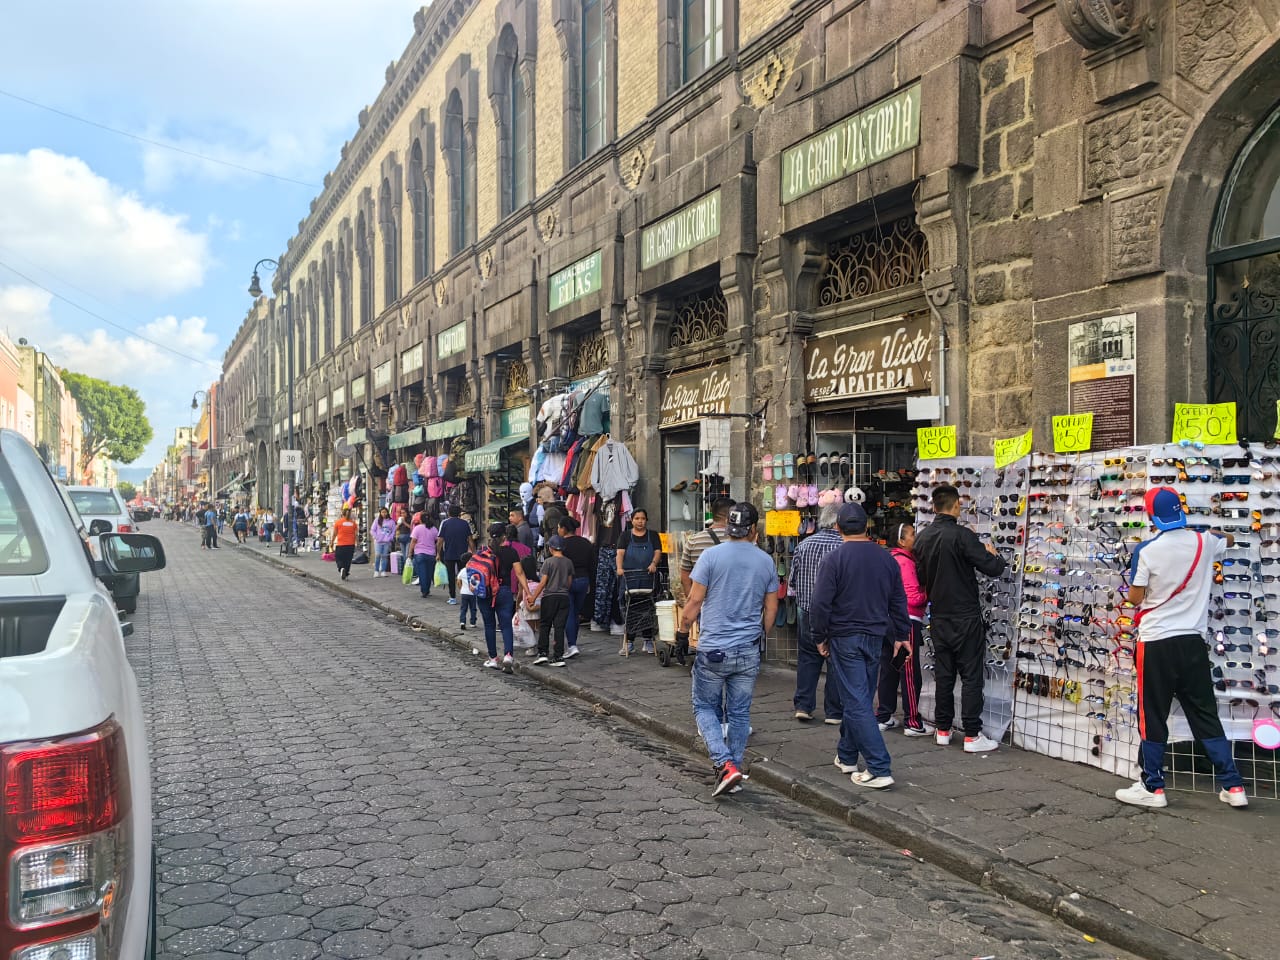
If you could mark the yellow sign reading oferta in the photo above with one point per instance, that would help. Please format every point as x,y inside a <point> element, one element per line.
<point>1013,449</point>
<point>782,523</point>
<point>936,443</point>
<point>1073,433</point>
<point>1204,422</point>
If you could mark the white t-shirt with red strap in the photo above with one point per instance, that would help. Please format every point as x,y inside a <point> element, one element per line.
<point>1161,565</point>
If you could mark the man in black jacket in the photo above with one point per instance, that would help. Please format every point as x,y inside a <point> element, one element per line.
<point>948,555</point>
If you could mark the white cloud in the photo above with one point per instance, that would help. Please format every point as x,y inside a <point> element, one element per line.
<point>75,223</point>
<point>134,361</point>
<point>24,312</point>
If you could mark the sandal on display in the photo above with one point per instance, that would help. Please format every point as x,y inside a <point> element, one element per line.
<point>789,465</point>
<point>680,486</point>
<point>768,466</point>
<point>822,465</point>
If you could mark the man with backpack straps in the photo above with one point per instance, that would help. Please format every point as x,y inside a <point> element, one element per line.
<point>489,574</point>
<point>1171,576</point>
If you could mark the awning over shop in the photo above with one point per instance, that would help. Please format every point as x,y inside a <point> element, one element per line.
<point>229,485</point>
<point>406,438</point>
<point>445,429</point>
<point>487,457</point>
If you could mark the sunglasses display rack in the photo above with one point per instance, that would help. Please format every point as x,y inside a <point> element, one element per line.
<point>990,502</point>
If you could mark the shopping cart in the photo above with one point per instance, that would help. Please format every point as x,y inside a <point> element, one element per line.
<point>639,589</point>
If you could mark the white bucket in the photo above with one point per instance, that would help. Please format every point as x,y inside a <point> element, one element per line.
<point>667,613</point>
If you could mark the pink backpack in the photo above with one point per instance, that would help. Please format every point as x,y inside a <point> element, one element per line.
<point>428,467</point>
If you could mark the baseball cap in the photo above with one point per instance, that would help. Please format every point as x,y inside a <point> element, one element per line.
<point>1164,506</point>
<point>555,542</point>
<point>497,529</point>
<point>852,518</point>
<point>742,518</point>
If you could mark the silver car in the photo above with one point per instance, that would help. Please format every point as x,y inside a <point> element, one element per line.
<point>103,510</point>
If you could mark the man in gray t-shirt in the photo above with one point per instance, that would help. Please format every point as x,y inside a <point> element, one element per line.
<point>557,576</point>
<point>735,590</point>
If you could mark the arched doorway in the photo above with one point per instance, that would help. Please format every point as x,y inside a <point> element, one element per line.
<point>1244,285</point>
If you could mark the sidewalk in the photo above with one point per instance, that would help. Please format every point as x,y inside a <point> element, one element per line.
<point>1196,880</point>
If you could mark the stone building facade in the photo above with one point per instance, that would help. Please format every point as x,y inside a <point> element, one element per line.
<point>827,222</point>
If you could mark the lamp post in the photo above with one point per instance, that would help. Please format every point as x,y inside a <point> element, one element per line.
<point>255,291</point>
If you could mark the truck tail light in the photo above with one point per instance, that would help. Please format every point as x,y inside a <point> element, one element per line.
<point>66,843</point>
<point>124,528</point>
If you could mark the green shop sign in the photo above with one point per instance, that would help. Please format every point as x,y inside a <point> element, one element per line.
<point>452,340</point>
<point>855,143</point>
<point>516,421</point>
<point>575,282</point>
<point>445,429</point>
<point>685,229</point>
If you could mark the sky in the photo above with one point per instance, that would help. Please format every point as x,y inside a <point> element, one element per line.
<point>110,245</point>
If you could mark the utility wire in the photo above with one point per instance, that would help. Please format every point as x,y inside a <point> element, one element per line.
<point>156,143</point>
<point>110,323</point>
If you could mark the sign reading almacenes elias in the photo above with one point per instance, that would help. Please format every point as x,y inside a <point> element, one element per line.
<point>893,356</point>
<point>855,143</point>
<point>574,282</point>
<point>690,226</point>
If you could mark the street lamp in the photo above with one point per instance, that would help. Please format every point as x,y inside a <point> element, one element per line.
<point>255,291</point>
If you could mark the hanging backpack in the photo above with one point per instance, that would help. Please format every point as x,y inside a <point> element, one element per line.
<point>482,575</point>
<point>435,487</point>
<point>428,468</point>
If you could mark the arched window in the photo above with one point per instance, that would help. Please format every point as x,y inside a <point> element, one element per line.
<point>390,246</point>
<point>418,203</point>
<point>1244,286</point>
<point>594,91</point>
<point>313,325</point>
<point>364,253</point>
<point>519,130</point>
<point>344,283</point>
<point>461,164</point>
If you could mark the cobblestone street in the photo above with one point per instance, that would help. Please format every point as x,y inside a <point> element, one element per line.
<point>329,784</point>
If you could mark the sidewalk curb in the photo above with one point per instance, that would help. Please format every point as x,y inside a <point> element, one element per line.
<point>954,854</point>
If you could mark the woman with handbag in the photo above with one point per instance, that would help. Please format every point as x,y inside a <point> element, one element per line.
<point>383,530</point>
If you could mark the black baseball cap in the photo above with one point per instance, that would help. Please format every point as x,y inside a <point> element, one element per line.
<point>742,518</point>
<point>852,518</point>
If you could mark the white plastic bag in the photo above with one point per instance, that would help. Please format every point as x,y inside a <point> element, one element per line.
<point>522,632</point>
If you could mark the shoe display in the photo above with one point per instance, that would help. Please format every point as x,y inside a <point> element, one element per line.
<point>680,487</point>
<point>1234,796</point>
<point>890,724</point>
<point>845,767</point>
<point>1139,796</point>
<point>943,738</point>
<point>508,663</point>
<point>727,777</point>
<point>804,716</point>
<point>865,778</point>
<point>980,744</point>
<point>571,653</point>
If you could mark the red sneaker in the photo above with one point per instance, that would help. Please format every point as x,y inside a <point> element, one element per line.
<point>727,777</point>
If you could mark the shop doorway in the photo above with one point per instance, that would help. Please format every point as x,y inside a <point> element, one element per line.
<point>873,450</point>
<point>682,495</point>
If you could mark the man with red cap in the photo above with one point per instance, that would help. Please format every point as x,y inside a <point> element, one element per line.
<point>1171,576</point>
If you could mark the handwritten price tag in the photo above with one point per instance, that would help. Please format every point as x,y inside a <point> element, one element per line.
<point>936,443</point>
<point>665,539</point>
<point>1013,449</point>
<point>1204,422</point>
<point>1073,433</point>
<point>782,523</point>
<point>1277,433</point>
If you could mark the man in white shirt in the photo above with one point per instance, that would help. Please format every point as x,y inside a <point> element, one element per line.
<point>1171,576</point>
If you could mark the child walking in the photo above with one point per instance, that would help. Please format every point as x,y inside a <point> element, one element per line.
<point>553,589</point>
<point>466,599</point>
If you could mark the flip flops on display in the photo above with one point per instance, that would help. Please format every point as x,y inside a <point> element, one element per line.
<point>822,465</point>
<point>768,466</point>
<point>789,465</point>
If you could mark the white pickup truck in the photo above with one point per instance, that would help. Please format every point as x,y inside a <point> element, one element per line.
<point>76,867</point>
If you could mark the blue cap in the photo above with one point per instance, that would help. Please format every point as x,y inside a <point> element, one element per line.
<point>852,518</point>
<point>555,543</point>
<point>1165,508</point>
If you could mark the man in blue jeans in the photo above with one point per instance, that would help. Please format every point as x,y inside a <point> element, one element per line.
<point>804,571</point>
<point>735,590</point>
<point>859,602</point>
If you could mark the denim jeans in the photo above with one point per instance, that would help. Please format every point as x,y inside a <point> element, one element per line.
<point>808,670</point>
<point>467,602</point>
<point>732,682</point>
<point>855,661</point>
<point>424,568</point>
<point>382,557</point>
<point>495,615</point>
<point>578,590</point>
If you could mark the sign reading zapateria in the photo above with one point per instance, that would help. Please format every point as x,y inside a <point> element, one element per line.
<point>893,356</point>
<point>686,397</point>
<point>691,225</point>
<point>855,143</point>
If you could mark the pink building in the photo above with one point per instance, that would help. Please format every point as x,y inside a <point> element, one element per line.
<point>10,388</point>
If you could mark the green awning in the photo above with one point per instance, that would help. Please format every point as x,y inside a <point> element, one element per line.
<point>445,429</point>
<point>484,459</point>
<point>407,438</point>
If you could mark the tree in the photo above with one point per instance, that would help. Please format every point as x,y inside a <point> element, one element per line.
<point>127,490</point>
<point>115,419</point>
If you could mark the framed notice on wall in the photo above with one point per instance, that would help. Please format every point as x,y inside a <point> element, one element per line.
<point>1103,369</point>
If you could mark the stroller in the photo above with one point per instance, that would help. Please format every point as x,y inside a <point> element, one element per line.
<point>639,591</point>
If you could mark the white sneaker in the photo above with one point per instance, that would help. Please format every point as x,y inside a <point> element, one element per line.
<point>508,663</point>
<point>1235,796</point>
<point>943,738</point>
<point>833,721</point>
<point>864,778</point>
<point>921,731</point>
<point>845,767</point>
<point>492,663</point>
<point>539,659</point>
<point>889,724</point>
<point>571,653</point>
<point>980,744</point>
<point>1139,796</point>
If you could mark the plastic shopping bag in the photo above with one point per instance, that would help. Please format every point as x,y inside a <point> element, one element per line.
<point>522,632</point>
<point>442,575</point>
<point>395,563</point>
<point>407,576</point>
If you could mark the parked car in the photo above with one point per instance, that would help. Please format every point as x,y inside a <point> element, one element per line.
<point>77,872</point>
<point>103,510</point>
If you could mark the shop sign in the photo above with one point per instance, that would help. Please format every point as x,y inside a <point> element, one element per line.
<point>451,341</point>
<point>936,443</point>
<point>411,359</point>
<point>358,435</point>
<point>888,357</point>
<point>405,438</point>
<point>685,229</point>
<point>575,282</point>
<point>1012,449</point>
<point>357,389</point>
<point>517,421</point>
<point>687,397</point>
<point>338,398</point>
<point>855,143</point>
<point>382,375</point>
<point>1102,374</point>
<point>1073,433</point>
<point>322,406</point>
<point>1204,422</point>
<point>445,429</point>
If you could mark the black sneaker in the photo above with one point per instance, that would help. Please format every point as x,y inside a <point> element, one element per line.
<point>556,663</point>
<point>727,777</point>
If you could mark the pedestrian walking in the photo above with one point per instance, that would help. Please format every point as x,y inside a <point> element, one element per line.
<point>342,543</point>
<point>211,526</point>
<point>948,557</point>
<point>269,526</point>
<point>240,526</point>
<point>899,666</point>
<point>859,604</point>
<point>466,598</point>
<point>383,531</point>
<point>423,537</point>
<point>553,590</point>
<point>1171,576</point>
<point>455,540</point>
<point>404,540</point>
<point>637,557</point>
<point>804,572</point>
<point>580,552</point>
<point>497,609</point>
<point>525,534</point>
<point>735,594</point>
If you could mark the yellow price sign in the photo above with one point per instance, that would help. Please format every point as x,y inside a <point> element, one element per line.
<point>1204,422</point>
<point>1013,449</point>
<point>1277,433</point>
<point>936,443</point>
<point>1073,433</point>
<point>782,523</point>
<point>665,539</point>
